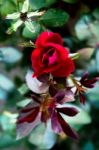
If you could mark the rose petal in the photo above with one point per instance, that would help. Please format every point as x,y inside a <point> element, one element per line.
<point>46,37</point>
<point>35,85</point>
<point>60,50</point>
<point>65,70</point>
<point>35,58</point>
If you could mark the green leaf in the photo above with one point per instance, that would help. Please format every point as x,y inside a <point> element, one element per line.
<point>24,102</point>
<point>28,34</point>
<point>3,94</point>
<point>46,137</point>
<point>6,140</point>
<point>82,29</point>
<point>93,95</point>
<point>23,89</point>
<point>37,4</point>
<point>7,121</point>
<point>96,13</point>
<point>88,146</point>
<point>54,18</point>
<point>5,83</point>
<point>87,29</point>
<point>97,60</point>
<point>70,1</point>
<point>10,55</point>
<point>7,7</point>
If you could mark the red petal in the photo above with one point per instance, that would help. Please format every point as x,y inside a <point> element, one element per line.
<point>65,70</point>
<point>29,117</point>
<point>46,37</point>
<point>35,58</point>
<point>66,128</point>
<point>60,50</point>
<point>55,123</point>
<point>70,111</point>
<point>62,57</point>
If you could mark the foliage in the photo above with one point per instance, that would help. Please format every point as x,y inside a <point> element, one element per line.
<point>78,23</point>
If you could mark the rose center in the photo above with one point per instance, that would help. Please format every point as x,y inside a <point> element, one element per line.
<point>50,57</point>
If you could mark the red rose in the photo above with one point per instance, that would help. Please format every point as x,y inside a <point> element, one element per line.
<point>50,56</point>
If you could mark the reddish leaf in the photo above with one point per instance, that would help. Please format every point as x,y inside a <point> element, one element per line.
<point>69,97</point>
<point>66,128</point>
<point>89,83</point>
<point>55,123</point>
<point>29,117</point>
<point>53,90</point>
<point>23,129</point>
<point>85,76</point>
<point>25,110</point>
<point>36,98</point>
<point>60,95</point>
<point>82,98</point>
<point>70,111</point>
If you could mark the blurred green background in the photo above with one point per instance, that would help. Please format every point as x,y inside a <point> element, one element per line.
<point>77,21</point>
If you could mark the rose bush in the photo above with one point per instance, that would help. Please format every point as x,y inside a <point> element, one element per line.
<point>50,56</point>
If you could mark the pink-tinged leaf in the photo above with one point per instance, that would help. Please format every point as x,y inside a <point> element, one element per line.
<point>69,97</point>
<point>35,85</point>
<point>66,128</point>
<point>70,111</point>
<point>28,117</point>
<point>55,123</point>
<point>23,129</point>
<point>29,107</point>
<point>60,95</point>
<point>82,98</point>
<point>89,83</point>
<point>26,109</point>
<point>36,99</point>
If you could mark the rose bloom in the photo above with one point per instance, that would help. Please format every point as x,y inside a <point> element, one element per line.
<point>50,56</point>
